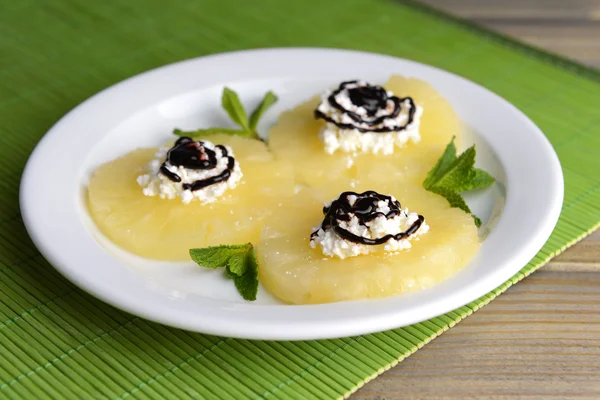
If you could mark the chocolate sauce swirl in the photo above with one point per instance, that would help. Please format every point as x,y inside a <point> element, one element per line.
<point>365,209</point>
<point>372,98</point>
<point>192,154</point>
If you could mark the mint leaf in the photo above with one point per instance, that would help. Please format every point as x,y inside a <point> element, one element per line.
<point>443,164</point>
<point>452,175</point>
<point>266,102</point>
<point>456,200</point>
<point>481,179</point>
<point>229,274</point>
<point>216,256</point>
<point>239,262</point>
<point>458,172</point>
<point>232,104</point>
<point>477,178</point>
<point>247,283</point>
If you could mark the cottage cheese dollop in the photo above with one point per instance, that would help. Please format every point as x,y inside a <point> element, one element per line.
<point>367,118</point>
<point>191,170</point>
<point>362,223</point>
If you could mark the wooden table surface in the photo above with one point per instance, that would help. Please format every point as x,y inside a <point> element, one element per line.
<point>541,339</point>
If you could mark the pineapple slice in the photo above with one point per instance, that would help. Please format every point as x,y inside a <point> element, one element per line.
<point>439,124</point>
<point>439,121</point>
<point>296,273</point>
<point>295,137</point>
<point>166,229</point>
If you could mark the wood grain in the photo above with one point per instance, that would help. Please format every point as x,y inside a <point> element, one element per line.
<point>569,28</point>
<point>541,339</point>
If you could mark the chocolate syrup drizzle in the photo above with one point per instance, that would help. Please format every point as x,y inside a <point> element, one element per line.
<point>372,98</point>
<point>192,154</point>
<point>364,208</point>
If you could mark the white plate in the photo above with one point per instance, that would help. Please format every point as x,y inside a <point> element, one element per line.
<point>519,212</point>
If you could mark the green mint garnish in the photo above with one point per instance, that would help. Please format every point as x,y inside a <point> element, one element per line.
<point>239,262</point>
<point>230,101</point>
<point>264,105</point>
<point>452,175</point>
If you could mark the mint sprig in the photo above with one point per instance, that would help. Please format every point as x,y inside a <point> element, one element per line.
<point>452,175</point>
<point>239,262</point>
<point>264,105</point>
<point>230,101</point>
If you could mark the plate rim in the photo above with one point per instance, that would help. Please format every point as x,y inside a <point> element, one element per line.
<point>269,330</point>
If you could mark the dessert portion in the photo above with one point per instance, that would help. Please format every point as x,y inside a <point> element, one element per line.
<point>365,118</point>
<point>191,170</point>
<point>403,124</point>
<point>298,273</point>
<point>156,220</point>
<point>227,201</point>
<point>438,125</point>
<point>439,122</point>
<point>362,223</point>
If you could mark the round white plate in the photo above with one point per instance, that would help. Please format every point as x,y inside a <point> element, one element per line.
<point>519,211</point>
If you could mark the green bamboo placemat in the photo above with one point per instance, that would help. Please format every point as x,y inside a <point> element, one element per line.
<point>57,341</point>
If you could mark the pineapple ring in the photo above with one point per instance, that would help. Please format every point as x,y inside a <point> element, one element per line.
<point>166,229</point>
<point>296,273</point>
<point>295,137</point>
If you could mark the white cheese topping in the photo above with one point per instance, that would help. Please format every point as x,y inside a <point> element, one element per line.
<point>333,245</point>
<point>355,141</point>
<point>154,183</point>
